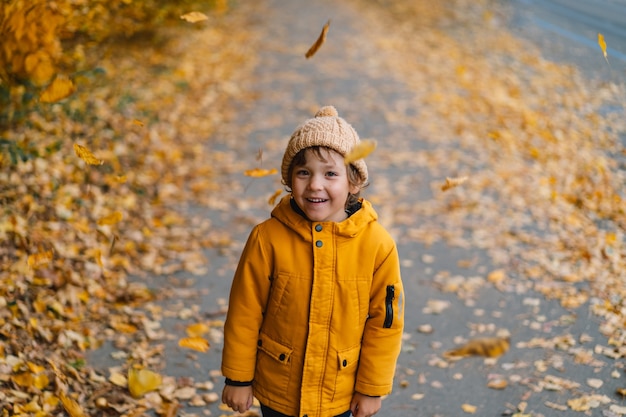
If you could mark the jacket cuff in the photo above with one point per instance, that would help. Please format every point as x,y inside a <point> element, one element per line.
<point>238,383</point>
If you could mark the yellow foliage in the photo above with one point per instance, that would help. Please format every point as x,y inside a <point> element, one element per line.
<point>142,381</point>
<point>196,343</point>
<point>490,347</point>
<point>59,89</point>
<point>360,151</point>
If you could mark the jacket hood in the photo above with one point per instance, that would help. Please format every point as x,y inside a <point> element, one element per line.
<point>350,227</point>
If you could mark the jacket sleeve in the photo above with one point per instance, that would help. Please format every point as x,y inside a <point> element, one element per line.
<point>382,337</point>
<point>248,297</point>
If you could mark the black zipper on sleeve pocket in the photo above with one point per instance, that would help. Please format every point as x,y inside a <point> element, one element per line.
<point>391,291</point>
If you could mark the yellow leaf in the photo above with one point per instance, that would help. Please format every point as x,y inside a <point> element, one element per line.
<point>197,329</point>
<point>260,172</point>
<point>118,379</point>
<point>142,381</point>
<point>71,406</point>
<point>124,327</point>
<point>38,259</point>
<point>111,219</point>
<point>86,155</point>
<point>272,199</point>
<point>319,42</point>
<point>194,17</point>
<point>490,347</point>
<point>360,151</point>
<point>196,343</point>
<point>138,122</point>
<point>468,408</point>
<point>602,44</point>
<point>59,89</point>
<point>453,182</point>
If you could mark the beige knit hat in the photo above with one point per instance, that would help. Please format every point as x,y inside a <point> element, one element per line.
<point>325,129</point>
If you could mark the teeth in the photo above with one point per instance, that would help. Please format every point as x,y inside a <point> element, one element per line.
<point>316,200</point>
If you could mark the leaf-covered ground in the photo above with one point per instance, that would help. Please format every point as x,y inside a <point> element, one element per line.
<point>178,118</point>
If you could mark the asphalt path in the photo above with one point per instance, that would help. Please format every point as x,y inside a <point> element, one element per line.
<point>287,90</point>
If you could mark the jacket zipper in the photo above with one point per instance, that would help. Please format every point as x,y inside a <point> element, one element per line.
<point>391,290</point>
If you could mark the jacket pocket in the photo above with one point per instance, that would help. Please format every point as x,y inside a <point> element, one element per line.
<point>389,297</point>
<point>347,365</point>
<point>273,364</point>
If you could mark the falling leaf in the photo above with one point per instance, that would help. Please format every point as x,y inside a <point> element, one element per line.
<point>194,17</point>
<point>196,343</point>
<point>360,151</point>
<point>86,155</point>
<point>38,259</point>
<point>468,408</point>
<point>490,347</point>
<point>319,42</point>
<point>260,172</point>
<point>71,406</point>
<point>142,381</point>
<point>453,182</point>
<point>58,89</point>
<point>272,200</point>
<point>111,219</point>
<point>138,122</point>
<point>602,44</point>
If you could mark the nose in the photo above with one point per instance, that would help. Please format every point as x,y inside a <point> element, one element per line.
<point>315,182</point>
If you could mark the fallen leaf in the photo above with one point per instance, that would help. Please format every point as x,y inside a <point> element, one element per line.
<point>490,347</point>
<point>453,182</point>
<point>38,259</point>
<point>142,381</point>
<point>60,88</point>
<point>71,406</point>
<point>111,219</point>
<point>319,42</point>
<point>194,17</point>
<point>197,329</point>
<point>86,155</point>
<point>468,408</point>
<point>196,343</point>
<point>360,151</point>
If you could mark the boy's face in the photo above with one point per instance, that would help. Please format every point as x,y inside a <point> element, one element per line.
<point>321,188</point>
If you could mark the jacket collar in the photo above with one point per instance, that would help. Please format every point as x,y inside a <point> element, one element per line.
<point>295,219</point>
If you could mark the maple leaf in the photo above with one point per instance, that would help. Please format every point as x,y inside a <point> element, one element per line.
<point>194,17</point>
<point>142,381</point>
<point>86,155</point>
<point>60,88</point>
<point>360,151</point>
<point>319,42</point>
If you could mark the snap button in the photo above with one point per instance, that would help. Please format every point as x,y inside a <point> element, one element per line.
<point>319,243</point>
<point>345,363</point>
<point>282,357</point>
<point>259,342</point>
<point>318,227</point>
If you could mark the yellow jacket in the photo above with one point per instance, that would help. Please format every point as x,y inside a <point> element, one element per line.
<point>316,312</point>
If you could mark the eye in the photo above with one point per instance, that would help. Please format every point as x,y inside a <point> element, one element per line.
<point>331,174</point>
<point>302,172</point>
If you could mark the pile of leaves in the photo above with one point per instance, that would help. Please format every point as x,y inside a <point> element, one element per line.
<point>91,186</point>
<point>533,152</point>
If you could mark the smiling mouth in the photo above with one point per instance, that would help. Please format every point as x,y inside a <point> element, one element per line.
<point>316,200</point>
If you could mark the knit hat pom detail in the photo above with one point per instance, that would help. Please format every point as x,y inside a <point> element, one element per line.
<point>327,111</point>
